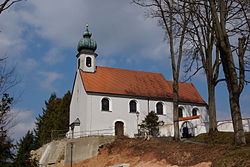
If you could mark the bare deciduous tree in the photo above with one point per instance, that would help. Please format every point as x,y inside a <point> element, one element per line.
<point>231,20</point>
<point>201,35</point>
<point>169,14</point>
<point>8,78</point>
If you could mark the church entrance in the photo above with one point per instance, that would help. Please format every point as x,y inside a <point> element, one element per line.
<point>187,130</point>
<point>119,128</point>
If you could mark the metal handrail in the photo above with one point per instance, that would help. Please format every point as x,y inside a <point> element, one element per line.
<point>100,132</point>
<point>60,134</point>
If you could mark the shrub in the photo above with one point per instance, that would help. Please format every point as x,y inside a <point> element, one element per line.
<point>150,124</point>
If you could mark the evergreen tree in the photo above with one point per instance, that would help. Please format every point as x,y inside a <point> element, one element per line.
<point>6,146</point>
<point>25,145</point>
<point>55,117</point>
<point>151,123</point>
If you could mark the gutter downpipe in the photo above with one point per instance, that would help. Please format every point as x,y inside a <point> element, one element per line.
<point>148,105</point>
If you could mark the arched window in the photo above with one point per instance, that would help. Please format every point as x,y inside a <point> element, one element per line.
<point>88,61</point>
<point>105,104</point>
<point>180,112</point>
<point>132,106</point>
<point>159,108</point>
<point>194,112</point>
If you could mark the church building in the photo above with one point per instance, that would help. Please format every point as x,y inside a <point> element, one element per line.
<point>113,101</point>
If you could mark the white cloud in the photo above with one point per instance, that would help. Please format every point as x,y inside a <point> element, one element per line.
<point>28,64</point>
<point>11,43</point>
<point>56,20</point>
<point>48,79</point>
<point>105,62</point>
<point>24,121</point>
<point>53,56</point>
<point>155,52</point>
<point>117,26</point>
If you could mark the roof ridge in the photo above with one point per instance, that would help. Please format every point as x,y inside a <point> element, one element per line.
<point>131,70</point>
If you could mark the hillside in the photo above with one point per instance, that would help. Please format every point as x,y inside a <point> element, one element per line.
<point>158,152</point>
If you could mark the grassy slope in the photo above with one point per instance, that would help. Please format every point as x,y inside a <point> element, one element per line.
<point>236,156</point>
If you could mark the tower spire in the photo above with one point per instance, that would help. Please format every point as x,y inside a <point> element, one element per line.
<point>86,44</point>
<point>86,57</point>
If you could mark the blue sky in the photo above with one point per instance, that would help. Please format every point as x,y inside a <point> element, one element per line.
<point>40,39</point>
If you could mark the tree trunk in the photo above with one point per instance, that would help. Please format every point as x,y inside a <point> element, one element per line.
<point>229,69</point>
<point>175,111</point>
<point>212,108</point>
<point>211,89</point>
<point>239,135</point>
<point>234,95</point>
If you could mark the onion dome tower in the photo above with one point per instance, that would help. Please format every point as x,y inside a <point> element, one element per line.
<point>86,57</point>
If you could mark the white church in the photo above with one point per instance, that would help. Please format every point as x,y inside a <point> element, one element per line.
<point>113,101</point>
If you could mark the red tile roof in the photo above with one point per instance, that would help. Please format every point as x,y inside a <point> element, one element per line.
<point>136,83</point>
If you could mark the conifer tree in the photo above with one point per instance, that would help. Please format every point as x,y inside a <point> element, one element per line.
<point>25,145</point>
<point>55,117</point>
<point>6,146</point>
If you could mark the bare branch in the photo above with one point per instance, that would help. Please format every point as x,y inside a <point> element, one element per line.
<point>7,4</point>
<point>197,70</point>
<point>220,80</point>
<point>8,79</point>
<point>5,8</point>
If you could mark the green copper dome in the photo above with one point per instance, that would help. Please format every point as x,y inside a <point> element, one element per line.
<point>86,43</point>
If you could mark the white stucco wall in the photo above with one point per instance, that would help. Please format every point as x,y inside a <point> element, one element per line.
<point>227,126</point>
<point>198,125</point>
<point>78,105</point>
<point>119,111</point>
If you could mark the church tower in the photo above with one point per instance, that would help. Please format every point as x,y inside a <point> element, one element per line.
<point>86,57</point>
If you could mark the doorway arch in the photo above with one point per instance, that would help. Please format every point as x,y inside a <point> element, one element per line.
<point>119,128</point>
<point>187,130</point>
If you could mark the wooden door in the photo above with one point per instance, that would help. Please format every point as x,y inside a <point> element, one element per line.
<point>119,128</point>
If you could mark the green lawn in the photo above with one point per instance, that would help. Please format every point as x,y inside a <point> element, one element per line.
<point>225,138</point>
